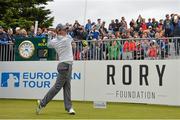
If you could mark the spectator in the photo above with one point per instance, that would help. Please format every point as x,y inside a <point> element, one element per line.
<point>111,26</point>
<point>123,25</point>
<point>143,24</point>
<point>176,33</point>
<point>103,31</point>
<point>160,25</point>
<point>11,47</point>
<point>126,55</point>
<point>3,36</point>
<point>131,31</point>
<point>95,51</point>
<point>81,33</point>
<point>145,45</point>
<point>31,32</point>
<point>114,50</point>
<point>132,47</point>
<point>17,33</point>
<point>6,49</point>
<point>40,33</point>
<point>167,26</point>
<point>162,43</point>
<point>94,34</point>
<point>141,31</point>
<point>23,33</point>
<point>152,51</point>
<point>117,35</point>
<point>164,48</point>
<point>45,31</point>
<point>154,23</point>
<point>132,23</point>
<point>76,27</point>
<point>136,35</point>
<point>139,52</point>
<point>76,52</point>
<point>149,23</point>
<point>70,30</point>
<point>139,21</point>
<point>85,50</point>
<point>151,32</point>
<point>128,49</point>
<point>117,25</point>
<point>125,35</point>
<point>88,26</point>
<point>10,35</point>
<point>98,25</point>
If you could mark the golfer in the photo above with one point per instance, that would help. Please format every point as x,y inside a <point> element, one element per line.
<point>62,45</point>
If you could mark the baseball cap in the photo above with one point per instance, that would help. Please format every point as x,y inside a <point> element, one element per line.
<point>61,26</point>
<point>150,27</point>
<point>17,28</point>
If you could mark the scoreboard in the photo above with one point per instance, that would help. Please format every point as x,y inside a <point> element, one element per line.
<point>33,49</point>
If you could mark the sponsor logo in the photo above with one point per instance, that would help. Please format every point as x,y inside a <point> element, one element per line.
<point>31,79</point>
<point>10,79</point>
<point>42,43</point>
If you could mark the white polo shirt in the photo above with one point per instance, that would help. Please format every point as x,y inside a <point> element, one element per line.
<point>63,47</point>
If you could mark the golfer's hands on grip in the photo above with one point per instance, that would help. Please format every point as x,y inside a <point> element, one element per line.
<point>51,34</point>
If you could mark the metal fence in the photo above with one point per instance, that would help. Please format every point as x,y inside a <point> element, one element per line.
<point>115,49</point>
<point>7,52</point>
<point>127,49</point>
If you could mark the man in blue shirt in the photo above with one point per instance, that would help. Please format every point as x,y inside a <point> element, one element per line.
<point>88,26</point>
<point>94,34</point>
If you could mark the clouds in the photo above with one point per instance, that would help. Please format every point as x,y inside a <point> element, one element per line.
<point>70,10</point>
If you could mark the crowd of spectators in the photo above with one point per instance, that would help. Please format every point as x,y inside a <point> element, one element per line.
<point>10,35</point>
<point>153,33</point>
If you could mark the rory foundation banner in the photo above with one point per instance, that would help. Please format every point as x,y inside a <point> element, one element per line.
<point>150,81</point>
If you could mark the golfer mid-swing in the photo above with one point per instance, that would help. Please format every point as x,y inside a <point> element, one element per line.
<point>62,45</point>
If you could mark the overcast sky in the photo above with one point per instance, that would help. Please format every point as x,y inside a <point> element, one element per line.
<point>70,10</point>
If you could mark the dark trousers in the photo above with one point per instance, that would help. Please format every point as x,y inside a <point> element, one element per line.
<point>63,81</point>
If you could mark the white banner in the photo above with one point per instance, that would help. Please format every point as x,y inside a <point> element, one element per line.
<point>146,81</point>
<point>32,79</point>
<point>156,82</point>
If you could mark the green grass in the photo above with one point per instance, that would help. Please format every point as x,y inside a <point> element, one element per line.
<point>25,109</point>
